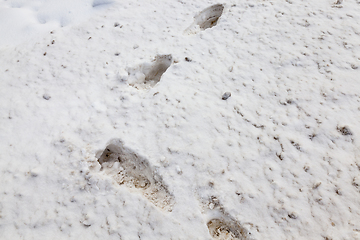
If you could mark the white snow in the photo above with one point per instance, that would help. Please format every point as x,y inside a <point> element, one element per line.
<point>113,123</point>
<point>23,20</point>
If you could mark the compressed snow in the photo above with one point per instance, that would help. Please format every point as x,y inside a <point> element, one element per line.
<point>100,139</point>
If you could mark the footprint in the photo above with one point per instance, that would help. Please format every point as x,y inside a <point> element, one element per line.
<point>207,18</point>
<point>220,224</point>
<point>134,171</point>
<point>149,74</point>
<point>225,228</point>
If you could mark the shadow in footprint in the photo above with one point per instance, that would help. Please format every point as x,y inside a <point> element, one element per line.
<point>207,18</point>
<point>149,74</point>
<point>134,171</point>
<point>101,3</point>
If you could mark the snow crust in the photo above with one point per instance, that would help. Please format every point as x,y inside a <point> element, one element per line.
<point>100,139</point>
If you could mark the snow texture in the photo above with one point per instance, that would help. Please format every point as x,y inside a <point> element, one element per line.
<point>113,122</point>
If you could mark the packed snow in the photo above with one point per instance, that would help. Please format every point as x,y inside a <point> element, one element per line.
<point>140,119</point>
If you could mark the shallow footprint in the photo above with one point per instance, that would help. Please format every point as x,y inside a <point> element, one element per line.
<point>207,18</point>
<point>149,74</point>
<point>225,228</point>
<point>134,171</point>
<point>220,224</point>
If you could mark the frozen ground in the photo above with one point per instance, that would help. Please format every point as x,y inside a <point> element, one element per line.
<point>114,123</point>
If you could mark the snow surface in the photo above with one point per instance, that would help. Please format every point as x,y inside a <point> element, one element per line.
<point>114,124</point>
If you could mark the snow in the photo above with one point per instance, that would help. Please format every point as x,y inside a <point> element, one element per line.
<point>179,119</point>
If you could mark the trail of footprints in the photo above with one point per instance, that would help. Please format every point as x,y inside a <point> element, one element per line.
<point>134,171</point>
<point>147,75</point>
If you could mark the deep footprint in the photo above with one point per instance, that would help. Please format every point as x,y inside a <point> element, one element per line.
<point>134,171</point>
<point>149,74</point>
<point>207,18</point>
